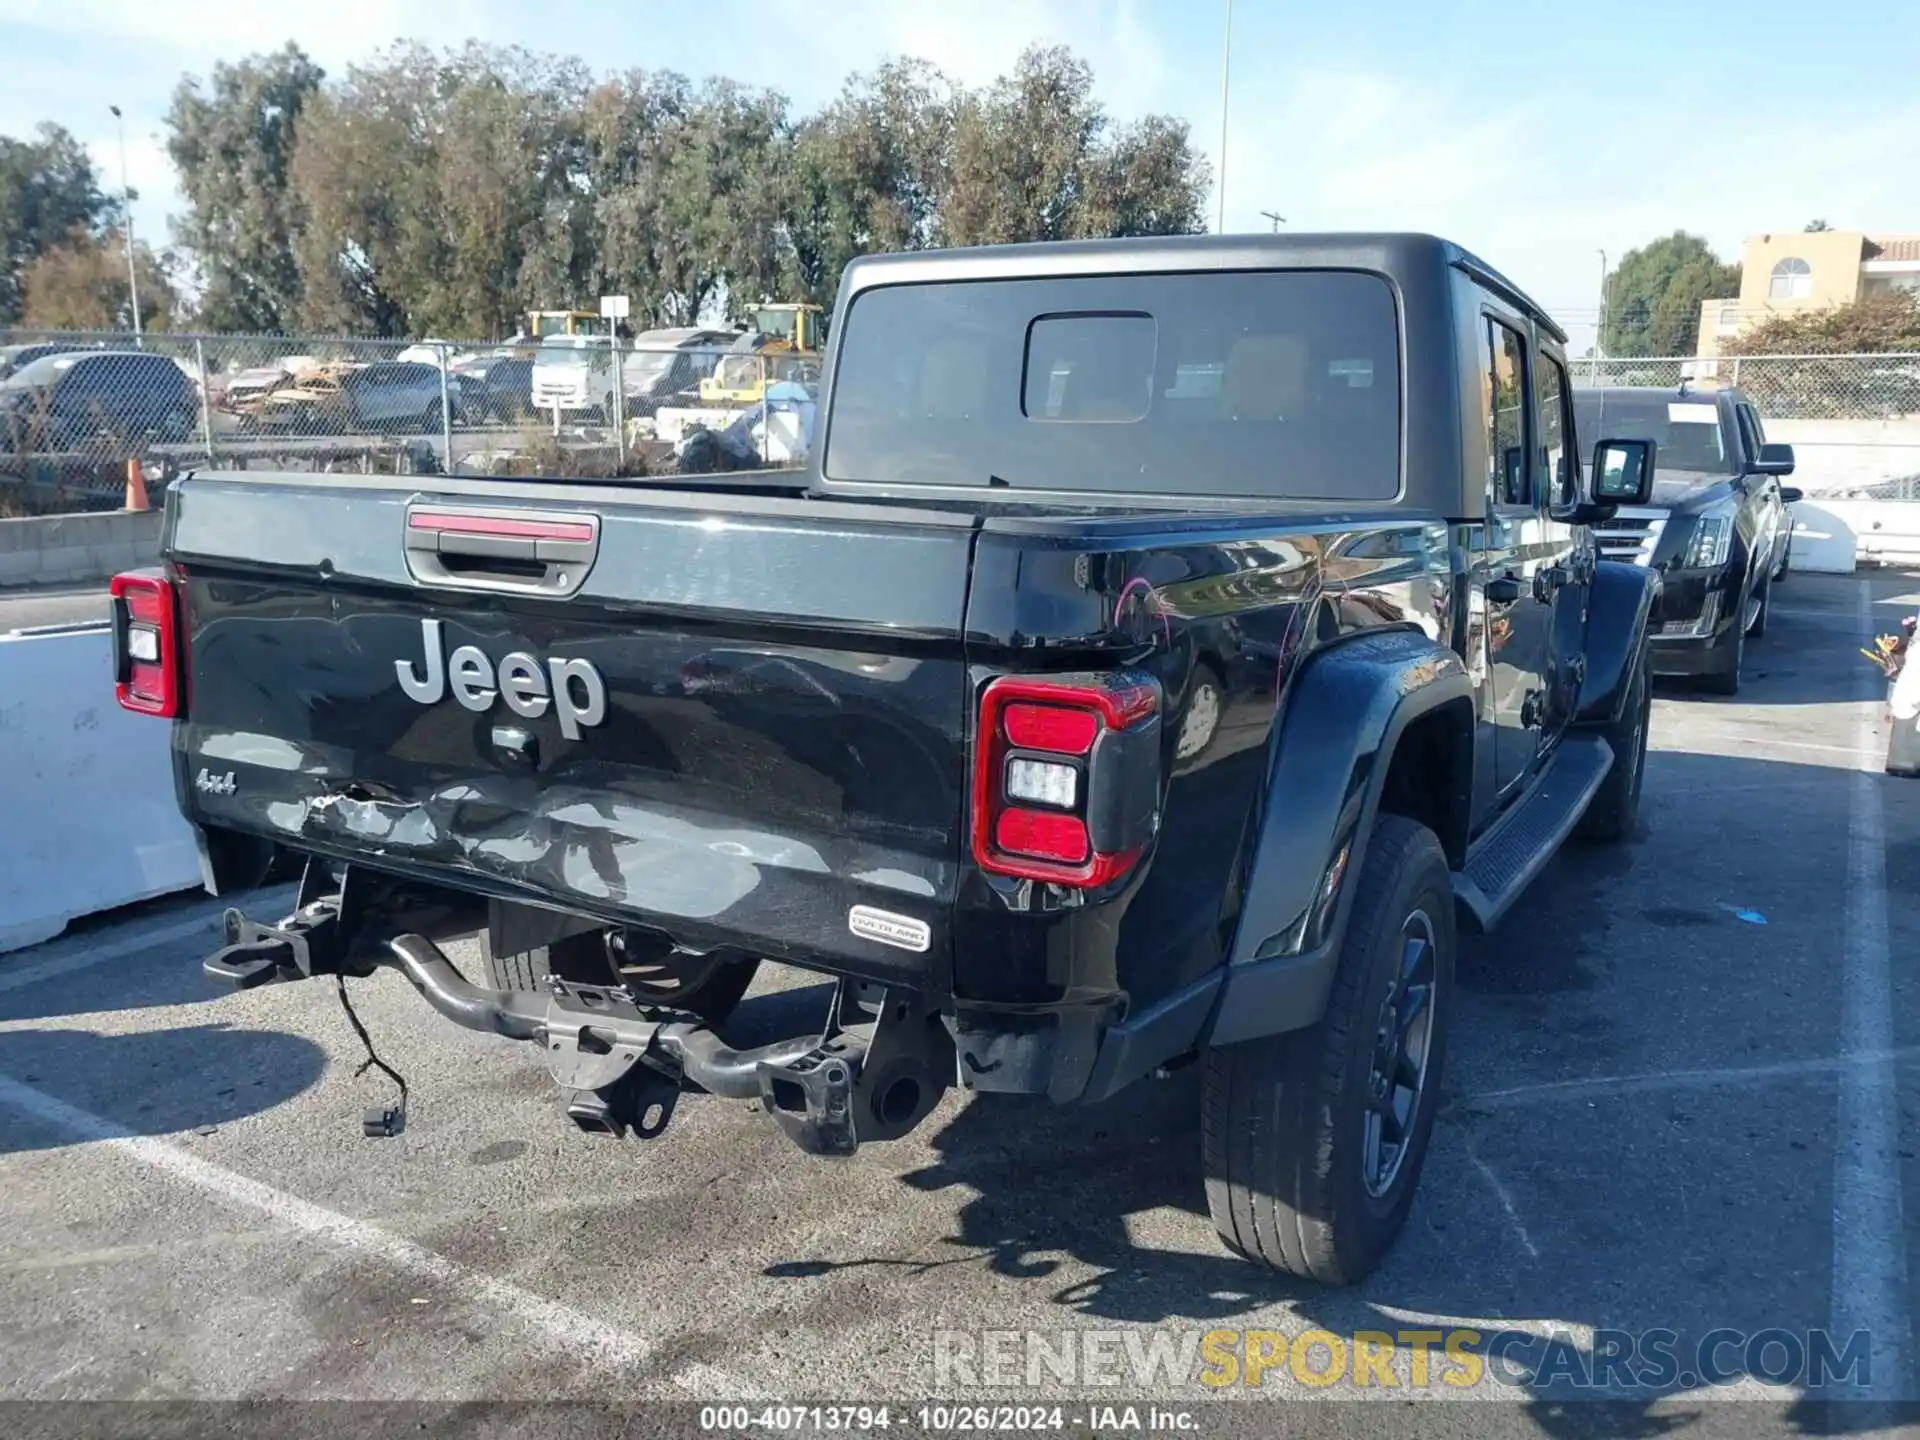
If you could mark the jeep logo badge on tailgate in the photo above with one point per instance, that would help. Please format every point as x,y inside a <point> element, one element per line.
<point>572,687</point>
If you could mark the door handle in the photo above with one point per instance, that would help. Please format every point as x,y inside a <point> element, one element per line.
<point>1503,589</point>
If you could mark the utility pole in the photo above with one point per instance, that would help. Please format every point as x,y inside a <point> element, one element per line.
<point>1277,219</point>
<point>1226,68</point>
<point>1600,329</point>
<point>126,221</point>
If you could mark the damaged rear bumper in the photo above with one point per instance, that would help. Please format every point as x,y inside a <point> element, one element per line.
<point>872,1071</point>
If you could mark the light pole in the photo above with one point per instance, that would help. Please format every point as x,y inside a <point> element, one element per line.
<point>1277,219</point>
<point>126,220</point>
<point>1600,329</point>
<point>1226,67</point>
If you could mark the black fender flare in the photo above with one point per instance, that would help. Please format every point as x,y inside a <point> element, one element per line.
<point>1620,605</point>
<point>1340,724</point>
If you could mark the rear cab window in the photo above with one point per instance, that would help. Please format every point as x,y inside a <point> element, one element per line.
<point>1274,384</point>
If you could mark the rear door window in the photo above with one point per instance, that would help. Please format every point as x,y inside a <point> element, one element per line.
<point>1503,400</point>
<point>1557,472</point>
<point>1276,384</point>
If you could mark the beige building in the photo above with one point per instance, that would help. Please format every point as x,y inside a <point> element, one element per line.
<point>1808,270</point>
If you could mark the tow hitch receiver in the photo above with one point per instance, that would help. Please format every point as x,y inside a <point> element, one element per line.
<point>596,1050</point>
<point>305,944</point>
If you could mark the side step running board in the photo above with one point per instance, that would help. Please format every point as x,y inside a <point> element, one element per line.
<point>1507,858</point>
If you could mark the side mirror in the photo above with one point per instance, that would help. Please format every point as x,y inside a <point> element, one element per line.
<point>1792,494</point>
<point>1623,472</point>
<point>1774,460</point>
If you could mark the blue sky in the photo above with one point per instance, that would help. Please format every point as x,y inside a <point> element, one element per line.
<point>1535,133</point>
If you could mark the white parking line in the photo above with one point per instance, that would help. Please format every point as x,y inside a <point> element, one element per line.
<point>1869,1237</point>
<point>574,1331</point>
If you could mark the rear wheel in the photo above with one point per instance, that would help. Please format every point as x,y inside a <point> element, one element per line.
<point>1314,1140</point>
<point>704,985</point>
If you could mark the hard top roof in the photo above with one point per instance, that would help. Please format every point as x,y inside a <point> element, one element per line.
<point>1387,252</point>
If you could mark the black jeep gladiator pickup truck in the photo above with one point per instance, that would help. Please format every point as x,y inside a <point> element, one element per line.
<point>1167,642</point>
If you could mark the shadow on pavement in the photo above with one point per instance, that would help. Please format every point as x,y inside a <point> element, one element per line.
<point>1094,1183</point>
<point>151,1082</point>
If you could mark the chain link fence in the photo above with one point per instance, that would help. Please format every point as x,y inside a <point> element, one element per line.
<point>1853,420</point>
<point>77,408</point>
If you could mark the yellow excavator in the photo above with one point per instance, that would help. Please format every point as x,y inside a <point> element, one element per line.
<point>784,343</point>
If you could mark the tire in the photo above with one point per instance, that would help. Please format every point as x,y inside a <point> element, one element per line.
<point>1759,627</point>
<point>1288,1122</point>
<point>1726,679</point>
<point>1612,812</point>
<point>699,985</point>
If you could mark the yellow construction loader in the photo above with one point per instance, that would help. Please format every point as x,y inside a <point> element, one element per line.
<point>784,343</point>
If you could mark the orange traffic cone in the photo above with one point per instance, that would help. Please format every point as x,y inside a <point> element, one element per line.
<point>136,487</point>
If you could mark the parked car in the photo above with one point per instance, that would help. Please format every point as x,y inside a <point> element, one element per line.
<point>1718,529</point>
<point>667,365</point>
<point>500,387</point>
<point>247,391</point>
<point>14,358</point>
<point>388,396</point>
<point>68,400</point>
<point>314,404</point>
<point>913,717</point>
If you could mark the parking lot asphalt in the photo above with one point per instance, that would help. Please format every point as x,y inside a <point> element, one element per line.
<point>1679,1096</point>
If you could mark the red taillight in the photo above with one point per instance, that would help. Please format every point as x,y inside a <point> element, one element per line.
<point>1065,777</point>
<point>1052,728</point>
<point>1042,835</point>
<point>146,643</point>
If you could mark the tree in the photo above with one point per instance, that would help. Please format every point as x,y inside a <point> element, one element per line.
<point>1653,297</point>
<point>232,144</point>
<point>1033,160</point>
<point>1885,322</point>
<point>444,192</point>
<point>82,285</point>
<point>48,190</point>
<point>869,172</point>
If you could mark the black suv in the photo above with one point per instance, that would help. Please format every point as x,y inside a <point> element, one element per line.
<point>1718,529</point>
<point>61,402</point>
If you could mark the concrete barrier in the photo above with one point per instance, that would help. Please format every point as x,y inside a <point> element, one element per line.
<point>88,819</point>
<point>77,549</point>
<point>1834,536</point>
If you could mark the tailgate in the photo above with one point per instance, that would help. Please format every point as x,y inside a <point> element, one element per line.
<point>741,720</point>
